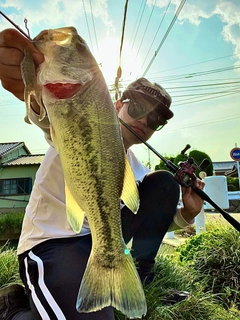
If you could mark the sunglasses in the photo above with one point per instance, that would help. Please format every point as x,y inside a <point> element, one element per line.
<point>137,111</point>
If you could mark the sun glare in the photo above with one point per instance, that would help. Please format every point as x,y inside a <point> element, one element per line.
<point>108,59</point>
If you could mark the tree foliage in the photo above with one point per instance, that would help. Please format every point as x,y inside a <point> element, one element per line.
<point>162,165</point>
<point>233,184</point>
<point>198,157</point>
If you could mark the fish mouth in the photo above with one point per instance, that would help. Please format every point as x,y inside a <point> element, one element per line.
<point>63,90</point>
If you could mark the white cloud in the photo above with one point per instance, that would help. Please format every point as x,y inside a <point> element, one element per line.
<point>17,4</point>
<point>56,13</point>
<point>228,11</point>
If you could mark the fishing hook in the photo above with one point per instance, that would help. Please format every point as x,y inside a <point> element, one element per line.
<point>17,27</point>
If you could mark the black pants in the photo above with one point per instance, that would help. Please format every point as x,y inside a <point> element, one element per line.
<point>159,195</point>
<point>52,271</point>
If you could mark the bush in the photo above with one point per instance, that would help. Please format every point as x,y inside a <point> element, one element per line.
<point>233,184</point>
<point>214,257</point>
<point>11,222</point>
<point>198,157</point>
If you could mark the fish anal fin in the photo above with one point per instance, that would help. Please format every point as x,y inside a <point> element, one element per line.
<point>130,194</point>
<point>75,214</point>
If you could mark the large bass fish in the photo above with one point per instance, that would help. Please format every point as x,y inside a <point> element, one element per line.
<point>69,86</point>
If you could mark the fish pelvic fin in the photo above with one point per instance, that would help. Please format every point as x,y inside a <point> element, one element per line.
<point>130,194</point>
<point>118,286</point>
<point>75,214</point>
<point>31,87</point>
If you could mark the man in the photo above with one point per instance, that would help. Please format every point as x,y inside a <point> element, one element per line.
<point>52,257</point>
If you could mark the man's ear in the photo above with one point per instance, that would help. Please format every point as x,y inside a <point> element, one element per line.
<point>118,105</point>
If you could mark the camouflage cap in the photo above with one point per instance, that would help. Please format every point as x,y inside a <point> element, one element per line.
<point>152,92</point>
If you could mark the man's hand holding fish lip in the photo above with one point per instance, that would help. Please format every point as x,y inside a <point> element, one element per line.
<point>13,44</point>
<point>48,245</point>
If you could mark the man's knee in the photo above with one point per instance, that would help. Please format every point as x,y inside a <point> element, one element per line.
<point>160,179</point>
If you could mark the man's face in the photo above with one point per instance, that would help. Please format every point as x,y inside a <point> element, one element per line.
<point>139,125</point>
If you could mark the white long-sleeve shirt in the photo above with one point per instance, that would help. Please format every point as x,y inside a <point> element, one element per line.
<point>45,217</point>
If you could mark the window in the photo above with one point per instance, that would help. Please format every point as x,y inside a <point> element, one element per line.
<point>15,186</point>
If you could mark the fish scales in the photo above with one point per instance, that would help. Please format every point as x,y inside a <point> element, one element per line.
<point>98,191</point>
<point>85,131</point>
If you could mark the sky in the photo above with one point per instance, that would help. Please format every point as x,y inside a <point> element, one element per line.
<point>191,48</point>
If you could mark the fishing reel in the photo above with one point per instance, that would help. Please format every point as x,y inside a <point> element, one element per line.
<point>186,172</point>
<point>185,175</point>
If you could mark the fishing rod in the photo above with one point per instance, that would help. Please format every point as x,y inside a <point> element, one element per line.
<point>184,174</point>
<point>17,27</point>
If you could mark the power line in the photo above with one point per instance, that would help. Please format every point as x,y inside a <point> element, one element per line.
<point>202,123</point>
<point>145,29</point>
<point>123,30</point>
<point>165,36</point>
<point>138,25</point>
<point>197,74</point>
<point>94,29</point>
<point>205,85</point>
<point>236,90</point>
<point>204,99</point>
<point>159,26</point>
<point>119,70</point>
<point>197,63</point>
<point>85,13</point>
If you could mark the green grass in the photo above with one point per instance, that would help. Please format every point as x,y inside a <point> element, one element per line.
<point>206,265</point>
<point>8,266</point>
<point>201,305</point>
<point>214,257</point>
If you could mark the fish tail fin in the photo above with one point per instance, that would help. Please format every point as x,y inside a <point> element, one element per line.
<point>119,287</point>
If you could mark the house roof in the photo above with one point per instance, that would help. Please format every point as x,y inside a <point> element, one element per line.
<point>30,159</point>
<point>227,168</point>
<point>10,146</point>
<point>223,165</point>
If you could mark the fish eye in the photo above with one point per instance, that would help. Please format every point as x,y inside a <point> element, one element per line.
<point>61,39</point>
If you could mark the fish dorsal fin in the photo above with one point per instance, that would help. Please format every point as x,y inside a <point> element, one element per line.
<point>130,194</point>
<point>75,214</point>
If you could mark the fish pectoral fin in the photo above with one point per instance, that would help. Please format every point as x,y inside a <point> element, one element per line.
<point>130,194</point>
<point>31,87</point>
<point>75,214</point>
